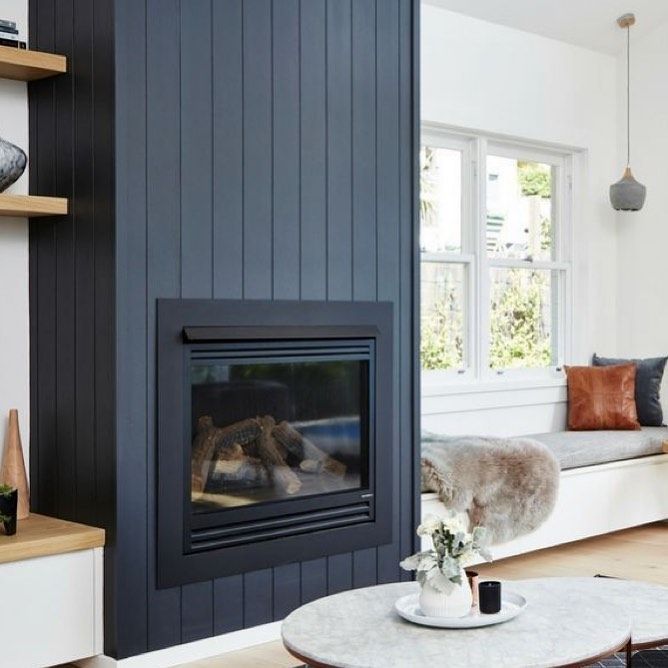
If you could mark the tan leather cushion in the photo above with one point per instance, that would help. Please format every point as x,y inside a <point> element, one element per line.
<point>602,397</point>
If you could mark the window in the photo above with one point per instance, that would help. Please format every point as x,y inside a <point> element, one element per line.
<point>495,258</point>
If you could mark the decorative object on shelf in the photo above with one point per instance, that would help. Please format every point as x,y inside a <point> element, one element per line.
<point>13,470</point>
<point>13,163</point>
<point>8,503</point>
<point>490,597</point>
<point>627,194</point>
<point>9,34</point>
<point>445,590</point>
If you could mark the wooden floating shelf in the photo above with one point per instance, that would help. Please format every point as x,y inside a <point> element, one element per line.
<point>31,206</point>
<point>24,65</point>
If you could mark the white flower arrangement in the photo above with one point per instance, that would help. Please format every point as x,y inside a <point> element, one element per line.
<point>454,548</point>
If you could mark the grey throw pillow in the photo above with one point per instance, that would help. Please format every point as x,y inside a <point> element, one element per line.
<point>649,374</point>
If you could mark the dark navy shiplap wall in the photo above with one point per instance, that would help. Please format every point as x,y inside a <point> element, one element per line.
<point>264,149</point>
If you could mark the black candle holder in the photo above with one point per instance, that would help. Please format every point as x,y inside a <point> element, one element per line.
<point>489,597</point>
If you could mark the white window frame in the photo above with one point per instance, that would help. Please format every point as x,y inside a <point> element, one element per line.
<point>475,148</point>
<point>466,258</point>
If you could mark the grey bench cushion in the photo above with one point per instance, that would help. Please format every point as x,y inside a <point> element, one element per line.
<point>574,449</point>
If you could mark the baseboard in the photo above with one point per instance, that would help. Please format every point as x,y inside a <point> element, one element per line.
<point>193,651</point>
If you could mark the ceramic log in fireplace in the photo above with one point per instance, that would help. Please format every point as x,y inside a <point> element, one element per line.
<point>274,433</point>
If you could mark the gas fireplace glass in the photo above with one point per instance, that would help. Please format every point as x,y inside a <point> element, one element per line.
<point>276,428</point>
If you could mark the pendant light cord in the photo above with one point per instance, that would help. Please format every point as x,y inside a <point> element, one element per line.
<point>628,95</point>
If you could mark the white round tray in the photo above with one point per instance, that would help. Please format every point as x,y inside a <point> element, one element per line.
<point>511,605</point>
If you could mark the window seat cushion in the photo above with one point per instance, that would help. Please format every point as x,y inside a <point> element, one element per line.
<point>574,449</point>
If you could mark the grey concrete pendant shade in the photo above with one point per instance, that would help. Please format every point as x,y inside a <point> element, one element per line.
<point>627,194</point>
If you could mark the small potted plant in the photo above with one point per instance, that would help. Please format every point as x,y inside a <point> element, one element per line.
<point>445,589</point>
<point>9,497</point>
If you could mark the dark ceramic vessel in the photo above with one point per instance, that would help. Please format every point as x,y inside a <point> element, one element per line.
<point>8,503</point>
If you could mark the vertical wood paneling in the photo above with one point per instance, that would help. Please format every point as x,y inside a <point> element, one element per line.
<point>196,225</point>
<point>339,150</point>
<point>314,579</point>
<point>228,124</point>
<point>339,195</point>
<point>258,597</point>
<point>287,590</point>
<point>313,221</point>
<point>228,601</point>
<point>44,464</point>
<point>313,118</point>
<point>257,164</point>
<point>72,275</point>
<point>228,210</point>
<point>339,573</point>
<point>134,432</point>
<point>196,611</point>
<point>69,367</point>
<point>258,215</point>
<point>263,150</point>
<point>163,257</point>
<point>364,149</point>
<point>196,153</point>
<point>83,216</point>
<point>286,148</point>
<point>96,493</point>
<point>387,204</point>
<point>364,194</point>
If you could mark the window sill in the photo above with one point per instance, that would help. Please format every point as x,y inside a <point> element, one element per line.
<point>440,389</point>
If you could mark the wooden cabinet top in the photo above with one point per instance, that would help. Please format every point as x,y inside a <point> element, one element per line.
<point>40,536</point>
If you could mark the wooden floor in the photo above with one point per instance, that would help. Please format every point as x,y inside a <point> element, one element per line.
<point>638,554</point>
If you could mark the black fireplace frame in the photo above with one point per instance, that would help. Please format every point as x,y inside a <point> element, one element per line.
<point>346,521</point>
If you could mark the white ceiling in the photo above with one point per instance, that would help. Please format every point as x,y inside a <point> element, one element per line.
<point>588,23</point>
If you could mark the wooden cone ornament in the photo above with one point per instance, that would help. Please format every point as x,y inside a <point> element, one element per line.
<point>13,470</point>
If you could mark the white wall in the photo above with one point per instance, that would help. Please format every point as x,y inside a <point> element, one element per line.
<point>14,330</point>
<point>642,280</point>
<point>482,76</point>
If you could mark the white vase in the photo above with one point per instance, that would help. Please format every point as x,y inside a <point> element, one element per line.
<point>456,603</point>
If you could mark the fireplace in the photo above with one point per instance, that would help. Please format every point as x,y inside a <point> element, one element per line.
<point>274,433</point>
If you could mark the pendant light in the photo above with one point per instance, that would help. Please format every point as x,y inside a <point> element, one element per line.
<point>627,194</point>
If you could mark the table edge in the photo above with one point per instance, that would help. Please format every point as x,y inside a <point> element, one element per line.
<point>582,663</point>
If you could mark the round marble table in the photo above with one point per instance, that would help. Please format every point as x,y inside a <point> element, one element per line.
<point>360,629</point>
<point>646,603</point>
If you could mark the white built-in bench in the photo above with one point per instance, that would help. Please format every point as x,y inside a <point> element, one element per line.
<point>610,480</point>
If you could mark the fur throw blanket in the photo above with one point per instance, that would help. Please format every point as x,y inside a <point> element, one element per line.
<point>508,485</point>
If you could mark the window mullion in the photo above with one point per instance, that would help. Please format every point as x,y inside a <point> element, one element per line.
<point>482,266</point>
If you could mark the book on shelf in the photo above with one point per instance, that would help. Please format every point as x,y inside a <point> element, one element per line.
<point>14,37</point>
<point>15,44</point>
<point>6,23</point>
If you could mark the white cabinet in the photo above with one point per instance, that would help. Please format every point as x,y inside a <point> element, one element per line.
<point>50,606</point>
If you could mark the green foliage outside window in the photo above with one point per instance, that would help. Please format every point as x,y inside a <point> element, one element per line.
<point>518,337</point>
<point>535,179</point>
<point>441,344</point>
